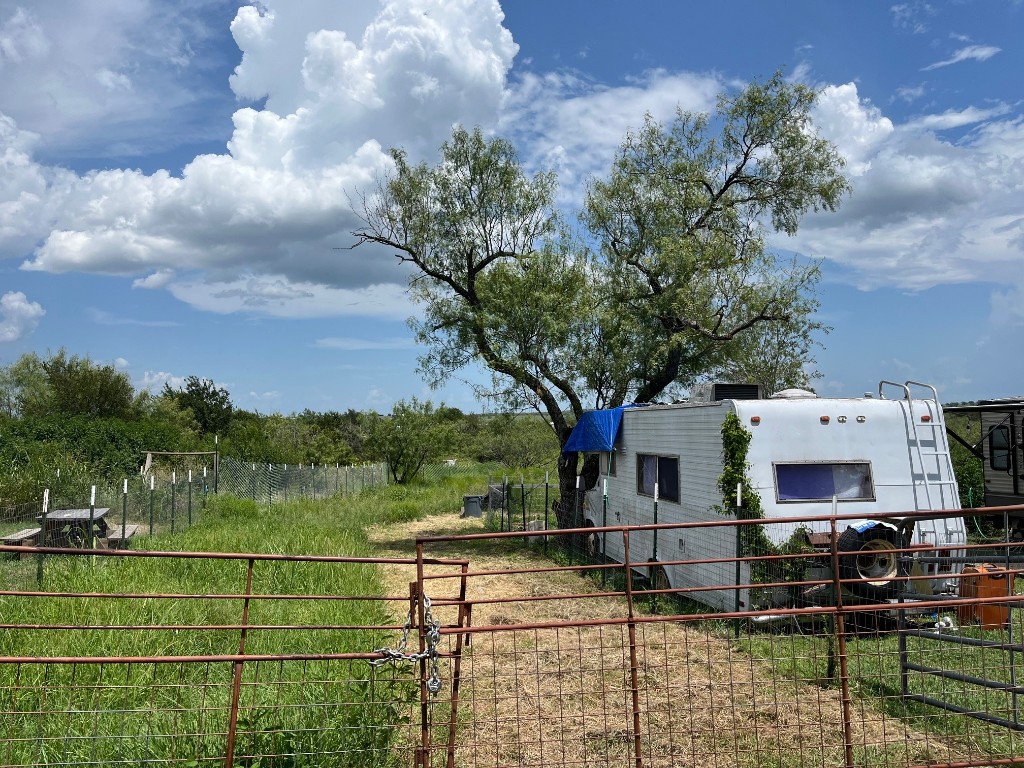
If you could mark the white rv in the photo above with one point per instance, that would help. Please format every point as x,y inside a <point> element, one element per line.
<point>868,455</point>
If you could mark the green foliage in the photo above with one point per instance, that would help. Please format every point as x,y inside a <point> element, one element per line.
<point>753,541</point>
<point>33,449</point>
<point>67,386</point>
<point>27,468</point>
<point>681,276</point>
<point>305,438</point>
<point>23,386</point>
<point>337,435</point>
<point>735,444</point>
<point>517,442</point>
<point>775,355</point>
<point>968,468</point>
<point>413,435</point>
<point>210,405</point>
<point>683,222</point>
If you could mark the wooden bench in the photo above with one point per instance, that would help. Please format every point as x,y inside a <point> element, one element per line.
<point>27,537</point>
<point>118,539</point>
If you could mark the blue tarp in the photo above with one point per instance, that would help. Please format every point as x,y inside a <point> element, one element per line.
<point>596,431</point>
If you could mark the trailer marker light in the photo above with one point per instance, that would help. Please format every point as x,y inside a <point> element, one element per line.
<point>861,419</point>
<point>755,419</point>
<point>841,419</point>
<point>824,419</point>
<point>926,417</point>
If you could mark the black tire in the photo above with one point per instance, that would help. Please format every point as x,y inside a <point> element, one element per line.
<point>881,571</point>
<point>592,543</point>
<point>659,579</point>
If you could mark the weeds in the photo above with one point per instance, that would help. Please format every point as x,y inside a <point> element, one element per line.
<point>292,713</point>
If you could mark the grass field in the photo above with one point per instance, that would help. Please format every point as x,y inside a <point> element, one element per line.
<point>325,712</point>
<point>303,712</point>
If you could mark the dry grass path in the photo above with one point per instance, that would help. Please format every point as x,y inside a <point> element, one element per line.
<point>563,696</point>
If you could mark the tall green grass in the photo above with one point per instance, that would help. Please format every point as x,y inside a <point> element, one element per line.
<point>873,664</point>
<point>312,712</point>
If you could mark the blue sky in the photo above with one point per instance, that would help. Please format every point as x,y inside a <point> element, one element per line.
<point>176,178</point>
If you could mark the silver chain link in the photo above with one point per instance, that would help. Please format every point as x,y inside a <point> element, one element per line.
<point>433,638</point>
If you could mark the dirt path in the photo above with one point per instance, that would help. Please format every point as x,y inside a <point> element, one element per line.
<point>564,695</point>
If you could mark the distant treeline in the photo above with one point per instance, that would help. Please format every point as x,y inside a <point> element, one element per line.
<point>86,419</point>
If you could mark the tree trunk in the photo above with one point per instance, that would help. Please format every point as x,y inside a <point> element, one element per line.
<point>568,507</point>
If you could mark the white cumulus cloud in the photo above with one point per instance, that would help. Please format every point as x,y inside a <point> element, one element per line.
<point>342,82</point>
<point>18,315</point>
<point>573,126</point>
<point>924,210</point>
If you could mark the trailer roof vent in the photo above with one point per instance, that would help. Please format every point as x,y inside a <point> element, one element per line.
<point>793,394</point>
<point>710,393</point>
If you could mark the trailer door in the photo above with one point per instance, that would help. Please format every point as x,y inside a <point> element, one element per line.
<point>1005,465</point>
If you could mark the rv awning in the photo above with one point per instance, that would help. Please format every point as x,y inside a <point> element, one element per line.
<point>596,431</point>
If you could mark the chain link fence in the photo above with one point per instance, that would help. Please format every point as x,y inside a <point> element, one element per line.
<point>120,515</point>
<point>274,483</point>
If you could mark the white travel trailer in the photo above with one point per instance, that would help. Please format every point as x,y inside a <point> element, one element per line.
<point>873,455</point>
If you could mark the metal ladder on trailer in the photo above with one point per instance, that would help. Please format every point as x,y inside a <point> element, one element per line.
<point>943,464</point>
<point>939,457</point>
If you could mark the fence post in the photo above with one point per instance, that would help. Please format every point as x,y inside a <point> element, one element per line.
<point>90,541</point>
<point>421,621</point>
<point>844,678</point>
<point>152,501</point>
<point>739,530</point>
<point>124,509</point>
<point>575,517</point>
<point>546,478</point>
<point>190,498</point>
<point>174,488</point>
<point>634,675</point>
<point>604,524</point>
<point>236,689</point>
<point>463,621</point>
<point>654,533</point>
<point>522,495</point>
<point>216,464</point>
<point>42,536</point>
<point>1015,696</point>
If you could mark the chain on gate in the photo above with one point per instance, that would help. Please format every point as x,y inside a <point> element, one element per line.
<point>430,653</point>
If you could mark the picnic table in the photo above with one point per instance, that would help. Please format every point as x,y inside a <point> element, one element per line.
<point>70,527</point>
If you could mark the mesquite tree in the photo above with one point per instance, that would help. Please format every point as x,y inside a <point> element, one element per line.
<point>680,273</point>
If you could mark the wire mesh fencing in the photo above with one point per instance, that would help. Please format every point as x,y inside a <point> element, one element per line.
<point>624,660</point>
<point>273,483</point>
<point>121,515</point>
<point>854,651</point>
<point>185,659</point>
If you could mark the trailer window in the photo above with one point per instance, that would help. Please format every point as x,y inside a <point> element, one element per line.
<point>660,470</point>
<point>820,481</point>
<point>999,448</point>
